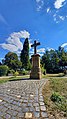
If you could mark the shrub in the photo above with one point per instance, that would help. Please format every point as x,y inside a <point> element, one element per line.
<point>10,72</point>
<point>3,70</point>
<point>30,66</point>
<point>43,70</point>
<point>55,97</point>
<point>24,72</point>
<point>16,73</point>
<point>65,72</point>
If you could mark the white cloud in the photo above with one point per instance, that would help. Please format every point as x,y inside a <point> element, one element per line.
<point>21,34</point>
<point>57,22</point>
<point>39,8</point>
<point>59,3</point>
<point>9,47</point>
<point>40,4</point>
<point>63,45</point>
<point>58,18</point>
<point>13,42</point>
<point>25,34</point>
<point>48,9</point>
<point>1,58</point>
<point>49,49</point>
<point>30,45</point>
<point>41,54</point>
<point>55,19</point>
<point>31,52</point>
<point>16,42</point>
<point>41,50</point>
<point>55,13</point>
<point>62,18</point>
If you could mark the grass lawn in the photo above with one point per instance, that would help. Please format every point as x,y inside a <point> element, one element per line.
<point>13,78</point>
<point>53,75</point>
<point>57,105</point>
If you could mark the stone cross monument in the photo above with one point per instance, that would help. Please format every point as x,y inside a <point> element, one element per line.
<point>35,45</point>
<point>35,71</point>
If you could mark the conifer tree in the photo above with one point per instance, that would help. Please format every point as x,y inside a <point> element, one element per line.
<point>24,56</point>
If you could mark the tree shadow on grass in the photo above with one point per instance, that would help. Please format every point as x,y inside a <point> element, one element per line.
<point>22,79</point>
<point>19,79</point>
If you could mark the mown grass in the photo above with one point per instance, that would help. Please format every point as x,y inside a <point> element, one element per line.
<point>57,109</point>
<point>53,75</point>
<point>13,78</point>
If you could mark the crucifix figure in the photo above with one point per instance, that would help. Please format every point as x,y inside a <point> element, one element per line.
<point>35,45</point>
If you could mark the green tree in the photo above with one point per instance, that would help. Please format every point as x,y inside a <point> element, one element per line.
<point>11,60</point>
<point>3,70</point>
<point>51,61</point>
<point>62,54</point>
<point>54,61</point>
<point>45,61</point>
<point>24,56</point>
<point>0,63</point>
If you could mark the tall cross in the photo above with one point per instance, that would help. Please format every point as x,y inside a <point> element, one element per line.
<point>35,45</point>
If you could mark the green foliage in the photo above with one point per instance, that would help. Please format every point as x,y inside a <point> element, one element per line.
<point>54,61</point>
<point>65,72</point>
<point>10,72</point>
<point>56,102</point>
<point>11,60</point>
<point>24,72</point>
<point>29,65</point>
<point>60,85</point>
<point>59,101</point>
<point>16,73</point>
<point>56,97</point>
<point>3,70</point>
<point>0,63</point>
<point>43,70</point>
<point>24,56</point>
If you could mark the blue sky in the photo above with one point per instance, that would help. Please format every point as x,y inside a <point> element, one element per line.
<point>41,20</point>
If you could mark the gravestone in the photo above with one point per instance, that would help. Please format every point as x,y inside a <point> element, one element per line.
<point>35,71</point>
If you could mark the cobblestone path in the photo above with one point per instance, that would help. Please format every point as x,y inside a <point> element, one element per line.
<point>22,100</point>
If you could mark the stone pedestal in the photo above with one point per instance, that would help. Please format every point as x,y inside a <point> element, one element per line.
<point>35,71</point>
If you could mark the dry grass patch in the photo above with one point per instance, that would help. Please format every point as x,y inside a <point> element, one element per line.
<point>55,97</point>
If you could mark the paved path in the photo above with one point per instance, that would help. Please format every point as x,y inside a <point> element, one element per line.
<point>22,100</point>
